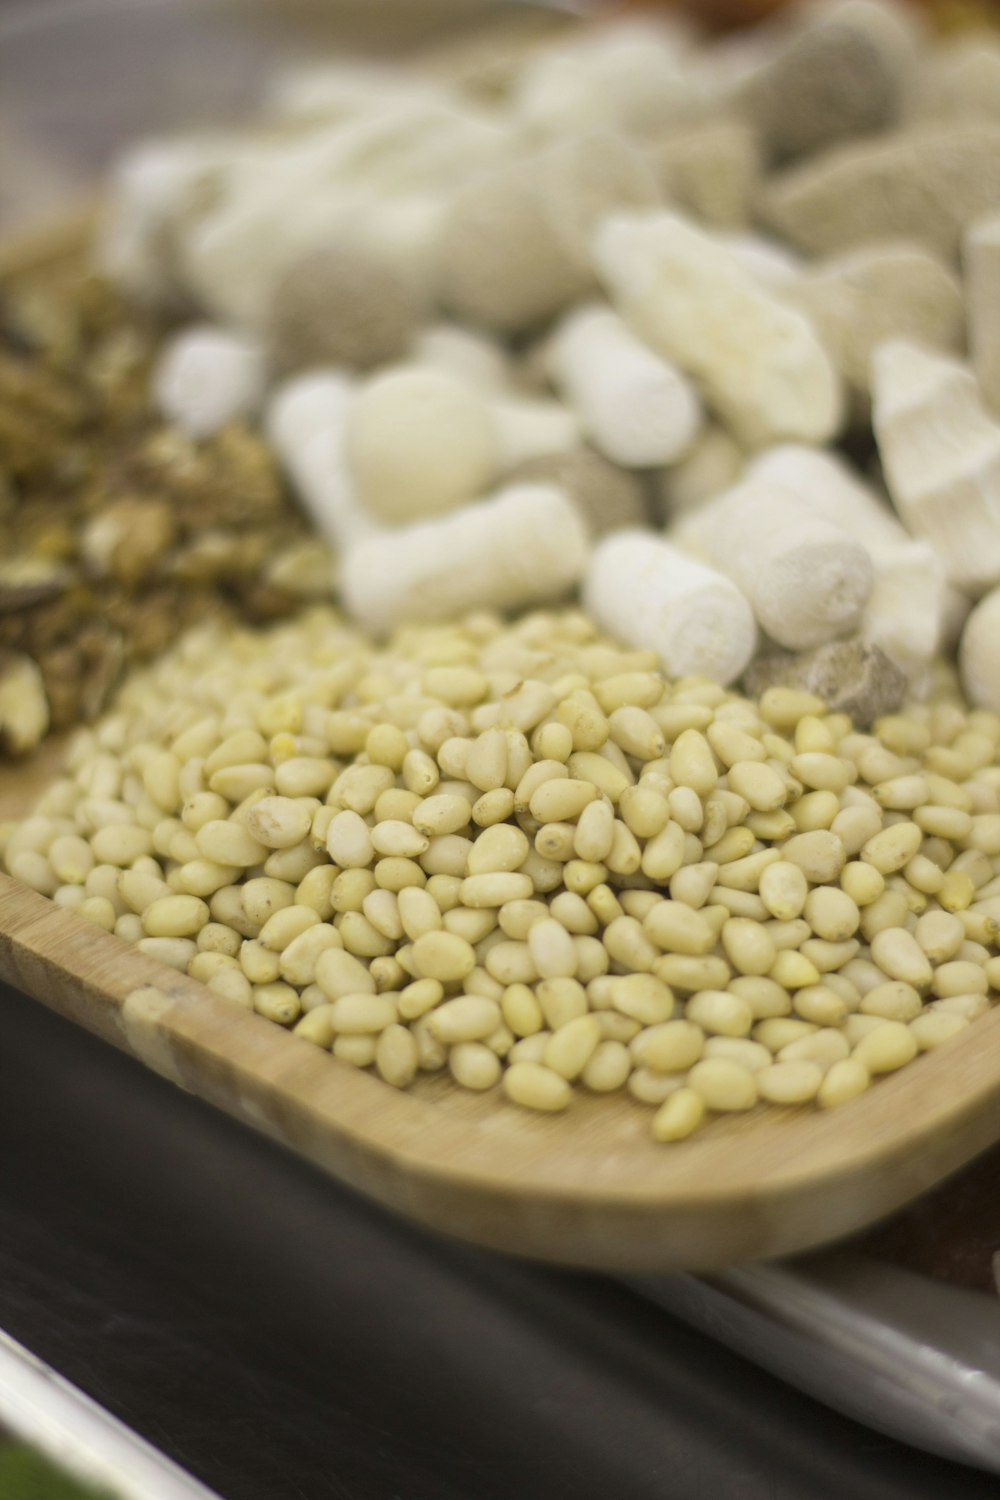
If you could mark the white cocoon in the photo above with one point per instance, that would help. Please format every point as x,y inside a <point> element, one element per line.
<point>656,598</point>
<point>525,545</point>
<point>206,377</point>
<point>304,423</point>
<point>758,361</point>
<point>807,579</point>
<point>636,407</point>
<point>419,441</point>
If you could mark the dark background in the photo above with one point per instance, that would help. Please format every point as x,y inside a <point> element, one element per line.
<point>284,1340</point>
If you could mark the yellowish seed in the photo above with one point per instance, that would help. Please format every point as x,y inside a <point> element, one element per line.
<point>534,1086</point>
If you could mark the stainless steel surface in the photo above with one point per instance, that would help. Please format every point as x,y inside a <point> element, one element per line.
<point>75,1434</point>
<point>910,1357</point>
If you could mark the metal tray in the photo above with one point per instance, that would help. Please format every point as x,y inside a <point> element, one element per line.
<point>914,1358</point>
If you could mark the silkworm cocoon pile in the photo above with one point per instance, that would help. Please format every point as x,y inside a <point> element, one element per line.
<point>842,76</point>
<point>882,189</point>
<point>418,442</point>
<point>517,853</point>
<point>635,407</point>
<point>940,452</point>
<point>512,245</point>
<point>981,261</point>
<point>807,579</point>
<point>709,168</point>
<point>760,364</point>
<point>905,611</point>
<point>875,292</point>
<point>634,76</point>
<point>655,597</point>
<point>305,422</point>
<point>525,544</point>
<point>345,303</point>
<point>207,377</point>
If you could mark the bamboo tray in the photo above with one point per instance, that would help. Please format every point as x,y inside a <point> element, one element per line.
<point>588,1188</point>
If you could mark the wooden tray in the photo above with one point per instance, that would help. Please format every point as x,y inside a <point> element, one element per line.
<point>586,1188</point>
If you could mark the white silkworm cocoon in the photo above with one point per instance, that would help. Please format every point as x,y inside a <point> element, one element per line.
<point>770,262</point>
<point>807,579</point>
<point>905,612</point>
<point>530,427</point>
<point>979,653</point>
<point>940,452</point>
<point>981,262</point>
<point>759,362</point>
<point>634,74</point>
<point>206,377</point>
<point>466,354</point>
<point>657,598</point>
<point>305,423</point>
<point>714,462</point>
<point>636,407</point>
<point>151,186</point>
<point>419,442</point>
<point>525,545</point>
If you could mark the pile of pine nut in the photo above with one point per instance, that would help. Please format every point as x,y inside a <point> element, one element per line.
<point>516,852</point>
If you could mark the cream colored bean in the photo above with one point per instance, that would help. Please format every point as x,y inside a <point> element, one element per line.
<point>934,1028</point>
<point>419,997</point>
<point>888,1047</point>
<point>969,1006</point>
<point>824,1047</point>
<point>300,956</point>
<point>692,763</point>
<point>821,1005</point>
<point>863,883</point>
<point>502,848</point>
<point>894,847</point>
<point>349,841</point>
<point>229,843</point>
<point>176,953</point>
<point>418,912</point>
<point>340,973</point>
<point>443,956</point>
<point>552,949</point>
<point>468,1018</point>
<point>607,1068</point>
<point>396,1056</point>
<point>832,914</point>
<point>892,1001</point>
<point>285,926</point>
<point>535,1086</point>
<point>723,1085</point>
<point>119,845</point>
<point>175,916</point>
<point>720,1013</point>
<point>669,1047</point>
<point>317,1026</point>
<point>363,1014</point>
<point>784,890</point>
<point>682,972</point>
<point>844,1081</point>
<point>676,928</point>
<point>521,1011</point>
<point>643,998</point>
<point>959,978</point>
<point>653,1088</point>
<point>789,1083</point>
<point>775,1032</point>
<point>680,1114</point>
<point>496,890</point>
<point>748,946</point>
<point>820,855</point>
<point>898,954</point>
<point>474,1066</point>
<point>764,997</point>
<point>571,1047</point>
<point>561,1001</point>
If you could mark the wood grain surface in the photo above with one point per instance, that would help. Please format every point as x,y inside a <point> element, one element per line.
<point>586,1188</point>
